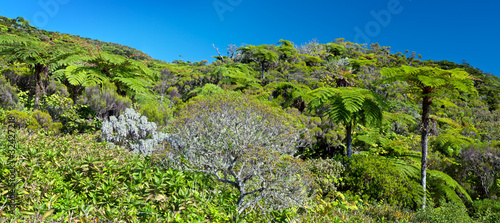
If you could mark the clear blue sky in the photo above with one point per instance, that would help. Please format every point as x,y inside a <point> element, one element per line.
<point>437,29</point>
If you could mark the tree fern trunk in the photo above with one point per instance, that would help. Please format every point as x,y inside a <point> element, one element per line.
<point>348,129</point>
<point>41,82</point>
<point>263,71</point>
<point>426,110</point>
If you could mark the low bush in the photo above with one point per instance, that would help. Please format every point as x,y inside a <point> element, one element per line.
<point>326,173</point>
<point>45,121</point>
<point>23,120</point>
<point>448,213</point>
<point>73,178</point>
<point>158,111</point>
<point>73,117</point>
<point>104,101</point>
<point>378,178</point>
<point>387,213</point>
<point>133,131</point>
<point>486,210</point>
<point>8,94</point>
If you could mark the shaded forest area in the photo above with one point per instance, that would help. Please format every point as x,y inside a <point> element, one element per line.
<point>335,132</point>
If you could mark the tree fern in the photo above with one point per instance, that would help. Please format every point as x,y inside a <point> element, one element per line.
<point>429,83</point>
<point>41,57</point>
<point>137,85</point>
<point>348,106</point>
<point>235,74</point>
<point>445,187</point>
<point>291,94</point>
<point>130,76</point>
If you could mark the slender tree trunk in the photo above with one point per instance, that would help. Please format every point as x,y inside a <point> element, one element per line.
<point>263,71</point>
<point>426,110</point>
<point>41,82</point>
<point>348,129</point>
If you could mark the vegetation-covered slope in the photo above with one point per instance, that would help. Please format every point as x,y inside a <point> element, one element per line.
<point>279,132</point>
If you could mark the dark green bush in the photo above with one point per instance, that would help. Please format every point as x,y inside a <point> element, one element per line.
<point>55,87</point>
<point>326,174</point>
<point>376,178</point>
<point>486,210</point>
<point>448,213</point>
<point>72,116</point>
<point>45,120</point>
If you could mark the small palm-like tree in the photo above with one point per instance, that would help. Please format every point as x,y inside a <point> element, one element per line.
<point>41,57</point>
<point>348,106</point>
<point>429,83</point>
<point>130,76</point>
<point>263,55</point>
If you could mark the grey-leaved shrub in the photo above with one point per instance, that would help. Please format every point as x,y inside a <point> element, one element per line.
<point>245,143</point>
<point>134,132</point>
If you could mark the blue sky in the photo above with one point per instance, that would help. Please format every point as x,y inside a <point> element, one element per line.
<point>439,29</point>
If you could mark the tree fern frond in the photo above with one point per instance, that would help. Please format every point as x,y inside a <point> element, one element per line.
<point>448,185</point>
<point>136,85</point>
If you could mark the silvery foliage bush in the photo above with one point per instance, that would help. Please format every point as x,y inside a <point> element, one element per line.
<point>134,132</point>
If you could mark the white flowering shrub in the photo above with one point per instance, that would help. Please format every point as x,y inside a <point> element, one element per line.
<point>134,132</point>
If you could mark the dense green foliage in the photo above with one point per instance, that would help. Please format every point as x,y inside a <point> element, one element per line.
<point>335,132</point>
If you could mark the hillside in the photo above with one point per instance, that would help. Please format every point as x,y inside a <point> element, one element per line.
<point>335,132</point>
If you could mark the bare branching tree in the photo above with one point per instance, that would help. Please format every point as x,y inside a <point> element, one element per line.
<point>247,144</point>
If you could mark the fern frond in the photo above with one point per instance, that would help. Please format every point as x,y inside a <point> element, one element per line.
<point>347,105</point>
<point>448,185</point>
<point>136,85</point>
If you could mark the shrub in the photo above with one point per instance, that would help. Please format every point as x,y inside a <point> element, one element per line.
<point>56,87</point>
<point>8,95</point>
<point>483,161</point>
<point>133,131</point>
<point>448,213</point>
<point>326,174</point>
<point>157,111</point>
<point>23,120</point>
<point>388,213</point>
<point>378,178</point>
<point>3,116</point>
<point>104,100</point>
<point>45,120</point>
<point>71,115</point>
<point>245,143</point>
<point>486,210</point>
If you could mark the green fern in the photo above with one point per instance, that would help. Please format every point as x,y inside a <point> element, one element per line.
<point>429,83</point>
<point>290,92</point>
<point>235,74</point>
<point>348,106</point>
<point>445,187</point>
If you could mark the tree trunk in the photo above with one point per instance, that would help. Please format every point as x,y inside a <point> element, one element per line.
<point>348,129</point>
<point>263,71</point>
<point>426,110</point>
<point>41,82</point>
